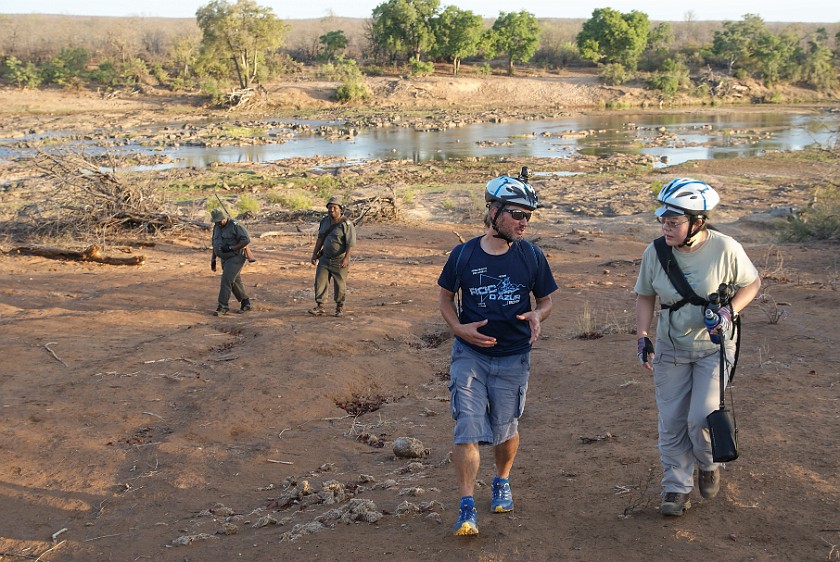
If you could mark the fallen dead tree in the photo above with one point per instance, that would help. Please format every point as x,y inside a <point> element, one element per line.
<point>381,208</point>
<point>87,198</point>
<point>92,253</point>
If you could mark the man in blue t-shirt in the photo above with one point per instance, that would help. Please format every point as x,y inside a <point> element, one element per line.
<point>494,330</point>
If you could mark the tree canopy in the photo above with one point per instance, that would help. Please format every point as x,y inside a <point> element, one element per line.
<point>403,27</point>
<point>612,37</point>
<point>238,38</point>
<point>516,35</point>
<point>332,43</point>
<point>458,34</point>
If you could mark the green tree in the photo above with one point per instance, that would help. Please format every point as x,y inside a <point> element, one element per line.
<point>736,43</point>
<point>457,34</point>
<point>403,27</point>
<point>242,34</point>
<point>612,37</point>
<point>658,49</point>
<point>516,35</point>
<point>819,70</point>
<point>183,53</point>
<point>332,43</point>
<point>773,55</point>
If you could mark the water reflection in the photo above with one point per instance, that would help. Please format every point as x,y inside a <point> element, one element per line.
<point>667,138</point>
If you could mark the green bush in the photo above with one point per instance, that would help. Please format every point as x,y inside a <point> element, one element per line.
<point>22,75</point>
<point>615,74</point>
<point>106,74</point>
<point>670,79</point>
<point>248,204</point>
<point>484,69</point>
<point>420,68</point>
<point>820,220</point>
<point>294,200</point>
<point>352,89</point>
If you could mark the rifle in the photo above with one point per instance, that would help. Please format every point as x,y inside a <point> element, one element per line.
<point>248,255</point>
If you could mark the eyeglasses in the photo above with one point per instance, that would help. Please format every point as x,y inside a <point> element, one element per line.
<point>517,215</point>
<point>670,224</point>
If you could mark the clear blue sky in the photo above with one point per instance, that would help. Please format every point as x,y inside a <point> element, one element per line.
<point>824,11</point>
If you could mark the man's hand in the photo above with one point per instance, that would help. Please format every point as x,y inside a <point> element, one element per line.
<point>226,248</point>
<point>213,264</point>
<point>469,333</point>
<point>644,350</point>
<point>533,318</point>
<point>345,262</point>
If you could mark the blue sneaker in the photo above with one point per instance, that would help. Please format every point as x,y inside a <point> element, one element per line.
<point>467,524</point>
<point>502,498</point>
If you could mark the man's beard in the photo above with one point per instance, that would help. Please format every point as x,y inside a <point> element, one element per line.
<point>509,232</point>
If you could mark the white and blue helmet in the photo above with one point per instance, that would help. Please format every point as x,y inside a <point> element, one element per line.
<point>506,189</point>
<point>686,196</point>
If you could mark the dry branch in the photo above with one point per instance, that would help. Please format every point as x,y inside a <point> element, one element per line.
<point>88,197</point>
<point>92,253</point>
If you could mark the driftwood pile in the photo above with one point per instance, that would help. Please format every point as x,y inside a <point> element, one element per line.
<point>246,97</point>
<point>89,199</point>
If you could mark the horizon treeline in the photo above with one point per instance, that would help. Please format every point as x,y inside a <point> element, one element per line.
<point>210,55</point>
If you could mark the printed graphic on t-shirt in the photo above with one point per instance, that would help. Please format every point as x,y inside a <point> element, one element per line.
<point>495,289</point>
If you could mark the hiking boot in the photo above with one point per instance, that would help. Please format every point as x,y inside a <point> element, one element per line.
<point>467,524</point>
<point>246,306</point>
<point>220,311</point>
<point>674,504</point>
<point>502,498</point>
<point>317,311</point>
<point>339,310</point>
<point>709,481</point>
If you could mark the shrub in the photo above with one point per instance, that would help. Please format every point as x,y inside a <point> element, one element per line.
<point>820,220</point>
<point>105,74</point>
<point>248,204</point>
<point>674,75</point>
<point>352,89</point>
<point>614,74</point>
<point>23,75</point>
<point>294,200</point>
<point>420,68</point>
<point>484,69</point>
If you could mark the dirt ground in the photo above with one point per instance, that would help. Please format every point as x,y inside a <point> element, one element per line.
<point>137,426</point>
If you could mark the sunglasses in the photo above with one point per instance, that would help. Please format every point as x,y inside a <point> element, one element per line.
<point>517,215</point>
<point>670,224</point>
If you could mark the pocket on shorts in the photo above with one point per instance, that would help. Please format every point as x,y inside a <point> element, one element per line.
<point>520,407</point>
<point>454,408</point>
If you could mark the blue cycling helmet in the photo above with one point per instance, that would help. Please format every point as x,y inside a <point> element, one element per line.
<point>506,189</point>
<point>686,196</point>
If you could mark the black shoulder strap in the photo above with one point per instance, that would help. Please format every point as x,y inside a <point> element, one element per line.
<point>334,225</point>
<point>463,260</point>
<point>532,262</point>
<point>677,277</point>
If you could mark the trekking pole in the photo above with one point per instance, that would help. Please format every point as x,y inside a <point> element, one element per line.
<point>248,255</point>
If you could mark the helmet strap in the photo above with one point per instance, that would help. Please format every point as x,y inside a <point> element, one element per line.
<point>498,234</point>
<point>692,220</point>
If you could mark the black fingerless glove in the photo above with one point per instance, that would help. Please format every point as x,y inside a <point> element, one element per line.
<point>643,349</point>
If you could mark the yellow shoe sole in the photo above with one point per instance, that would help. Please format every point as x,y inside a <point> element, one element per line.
<point>466,530</point>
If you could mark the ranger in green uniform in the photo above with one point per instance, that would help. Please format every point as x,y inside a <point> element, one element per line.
<point>229,241</point>
<point>336,237</point>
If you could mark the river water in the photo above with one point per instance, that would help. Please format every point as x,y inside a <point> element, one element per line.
<point>668,138</point>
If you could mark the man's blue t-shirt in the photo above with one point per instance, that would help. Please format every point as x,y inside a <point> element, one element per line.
<point>497,288</point>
